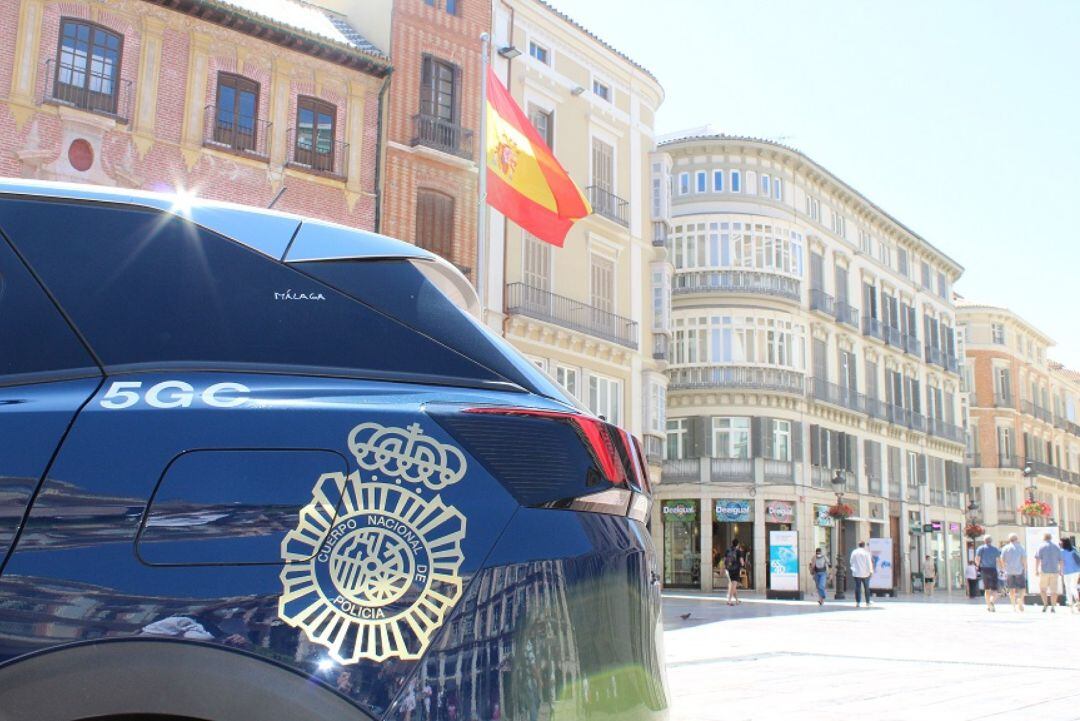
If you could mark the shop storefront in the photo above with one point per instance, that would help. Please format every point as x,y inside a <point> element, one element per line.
<point>682,543</point>
<point>733,518</point>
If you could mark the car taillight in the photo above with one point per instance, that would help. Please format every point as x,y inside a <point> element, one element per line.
<point>605,442</point>
<point>554,459</point>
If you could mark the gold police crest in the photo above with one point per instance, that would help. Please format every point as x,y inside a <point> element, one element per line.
<point>371,570</point>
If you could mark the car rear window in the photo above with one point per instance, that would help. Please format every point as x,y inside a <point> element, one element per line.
<point>36,343</point>
<point>149,289</point>
<point>400,289</point>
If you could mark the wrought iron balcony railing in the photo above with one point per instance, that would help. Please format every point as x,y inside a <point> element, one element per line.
<point>837,395</point>
<point>654,449</point>
<point>894,337</point>
<point>779,471</point>
<point>609,205</point>
<point>226,130</point>
<point>752,378</point>
<point>317,154</point>
<point>681,470</point>
<point>103,95</point>
<point>748,282</point>
<point>661,346</point>
<point>660,233</point>
<point>873,327</point>
<point>935,356</point>
<point>820,300</point>
<point>911,344</point>
<point>949,431</point>
<point>522,299</point>
<point>731,470</point>
<point>846,313</point>
<point>434,132</point>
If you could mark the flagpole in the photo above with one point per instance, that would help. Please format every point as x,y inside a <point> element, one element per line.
<point>481,200</point>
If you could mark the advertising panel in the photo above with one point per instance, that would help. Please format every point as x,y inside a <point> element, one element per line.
<point>881,550</point>
<point>822,517</point>
<point>784,560</point>
<point>1033,538</point>
<point>732,510</point>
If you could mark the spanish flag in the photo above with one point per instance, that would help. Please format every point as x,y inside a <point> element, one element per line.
<point>524,180</point>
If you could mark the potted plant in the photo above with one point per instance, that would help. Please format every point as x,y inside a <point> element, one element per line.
<point>1035,509</point>
<point>840,511</point>
<point>974,530</point>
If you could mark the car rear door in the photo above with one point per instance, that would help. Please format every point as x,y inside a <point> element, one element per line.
<point>46,375</point>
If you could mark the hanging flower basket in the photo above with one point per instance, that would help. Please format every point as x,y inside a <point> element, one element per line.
<point>1035,509</point>
<point>974,530</point>
<point>840,511</point>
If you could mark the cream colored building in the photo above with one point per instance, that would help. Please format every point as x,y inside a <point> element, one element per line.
<point>582,312</point>
<point>812,335</point>
<point>1024,414</point>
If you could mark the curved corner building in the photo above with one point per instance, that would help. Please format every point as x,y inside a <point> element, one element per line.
<point>812,350</point>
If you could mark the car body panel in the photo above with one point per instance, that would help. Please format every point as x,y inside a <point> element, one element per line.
<point>312,534</point>
<point>33,420</point>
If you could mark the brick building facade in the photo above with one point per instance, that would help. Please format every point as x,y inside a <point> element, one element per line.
<point>208,97</point>
<point>433,123</point>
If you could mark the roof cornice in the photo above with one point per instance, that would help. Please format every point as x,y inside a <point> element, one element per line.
<point>287,36</point>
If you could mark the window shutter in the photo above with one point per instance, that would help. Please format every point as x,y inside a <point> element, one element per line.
<point>796,441</point>
<point>757,436</point>
<point>435,222</point>
<point>921,464</point>
<point>426,92</point>
<point>838,450</point>
<point>815,445</point>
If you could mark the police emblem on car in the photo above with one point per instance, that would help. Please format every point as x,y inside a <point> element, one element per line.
<point>372,569</point>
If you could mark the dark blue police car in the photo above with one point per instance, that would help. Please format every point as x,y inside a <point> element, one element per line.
<point>257,467</point>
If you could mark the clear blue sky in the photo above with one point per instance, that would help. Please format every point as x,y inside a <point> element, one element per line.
<point>960,118</point>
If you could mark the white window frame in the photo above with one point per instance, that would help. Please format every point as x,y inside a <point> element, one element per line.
<point>684,183</point>
<point>701,182</point>
<point>564,373</point>
<point>542,48</point>
<point>731,426</point>
<point>781,432</point>
<point>606,96</point>
<point>718,187</point>
<point>778,188</point>
<point>612,411</point>
<point>735,179</point>
<point>675,429</point>
<point>766,185</point>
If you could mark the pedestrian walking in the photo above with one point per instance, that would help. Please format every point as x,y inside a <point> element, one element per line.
<point>1070,573</point>
<point>971,574</point>
<point>819,569</point>
<point>1014,562</point>
<point>988,556</point>
<point>862,568</point>
<point>733,564</point>
<point>1048,566</point>
<point>929,568</point>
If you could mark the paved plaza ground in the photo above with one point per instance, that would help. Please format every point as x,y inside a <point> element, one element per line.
<point>902,658</point>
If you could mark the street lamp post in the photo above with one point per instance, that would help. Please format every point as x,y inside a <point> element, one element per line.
<point>1029,475</point>
<point>838,484</point>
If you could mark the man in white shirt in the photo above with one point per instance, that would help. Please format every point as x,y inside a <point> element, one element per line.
<point>862,568</point>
